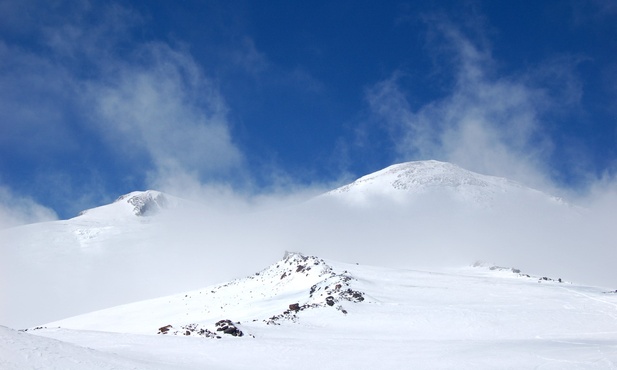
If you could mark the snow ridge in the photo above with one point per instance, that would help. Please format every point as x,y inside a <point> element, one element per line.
<point>138,203</point>
<point>146,203</point>
<point>403,181</point>
<point>280,293</point>
<point>308,281</point>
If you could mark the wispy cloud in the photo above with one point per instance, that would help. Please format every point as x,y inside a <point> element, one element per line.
<point>488,122</point>
<point>17,210</point>
<point>86,87</point>
<point>165,107</point>
<point>499,123</point>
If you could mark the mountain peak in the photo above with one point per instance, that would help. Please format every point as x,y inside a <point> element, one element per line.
<point>283,292</point>
<point>137,203</point>
<point>146,203</point>
<point>404,181</point>
<point>426,174</point>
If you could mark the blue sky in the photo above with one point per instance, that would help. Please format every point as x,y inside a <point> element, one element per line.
<point>98,99</point>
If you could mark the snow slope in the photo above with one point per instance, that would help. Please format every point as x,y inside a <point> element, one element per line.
<point>471,318</point>
<point>405,182</point>
<point>57,261</point>
<point>23,351</point>
<point>149,244</point>
<point>306,281</point>
<point>137,203</point>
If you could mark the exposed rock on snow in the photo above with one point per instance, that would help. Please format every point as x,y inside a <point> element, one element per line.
<point>138,203</point>
<point>481,317</point>
<point>331,288</point>
<point>517,272</point>
<point>279,293</point>
<point>228,327</point>
<point>146,203</point>
<point>194,330</point>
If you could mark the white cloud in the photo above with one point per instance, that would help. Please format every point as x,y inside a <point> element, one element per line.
<point>90,90</point>
<point>17,210</point>
<point>485,123</point>
<point>494,124</point>
<point>248,57</point>
<point>165,107</point>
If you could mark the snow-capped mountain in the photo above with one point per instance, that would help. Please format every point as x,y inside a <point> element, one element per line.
<point>148,244</point>
<point>304,312</point>
<point>277,294</point>
<point>96,251</point>
<point>407,181</point>
<point>137,203</point>
<point>95,279</point>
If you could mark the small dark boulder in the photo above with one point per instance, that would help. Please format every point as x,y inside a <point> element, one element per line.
<point>358,296</point>
<point>330,300</point>
<point>228,327</point>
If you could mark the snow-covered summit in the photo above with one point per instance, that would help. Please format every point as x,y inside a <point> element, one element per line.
<point>147,202</point>
<point>137,203</point>
<point>404,181</point>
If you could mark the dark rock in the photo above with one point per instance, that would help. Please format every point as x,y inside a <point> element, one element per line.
<point>230,330</point>
<point>330,300</point>
<point>228,327</point>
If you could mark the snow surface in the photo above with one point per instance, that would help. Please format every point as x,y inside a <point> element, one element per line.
<point>480,317</point>
<point>137,203</point>
<point>305,311</point>
<point>23,351</point>
<point>406,181</point>
<point>83,264</point>
<point>56,261</point>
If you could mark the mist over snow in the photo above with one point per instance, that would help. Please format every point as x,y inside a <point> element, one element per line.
<point>266,127</point>
<point>18,210</point>
<point>114,254</point>
<point>519,227</point>
<point>304,312</point>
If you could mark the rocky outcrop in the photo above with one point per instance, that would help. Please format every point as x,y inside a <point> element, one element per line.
<point>333,289</point>
<point>197,330</point>
<point>146,203</point>
<point>228,327</point>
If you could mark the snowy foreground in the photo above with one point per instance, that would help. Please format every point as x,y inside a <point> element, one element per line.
<point>306,313</point>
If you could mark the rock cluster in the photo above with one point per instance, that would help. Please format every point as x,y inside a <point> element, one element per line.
<point>197,330</point>
<point>330,291</point>
<point>228,327</point>
<point>514,271</point>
